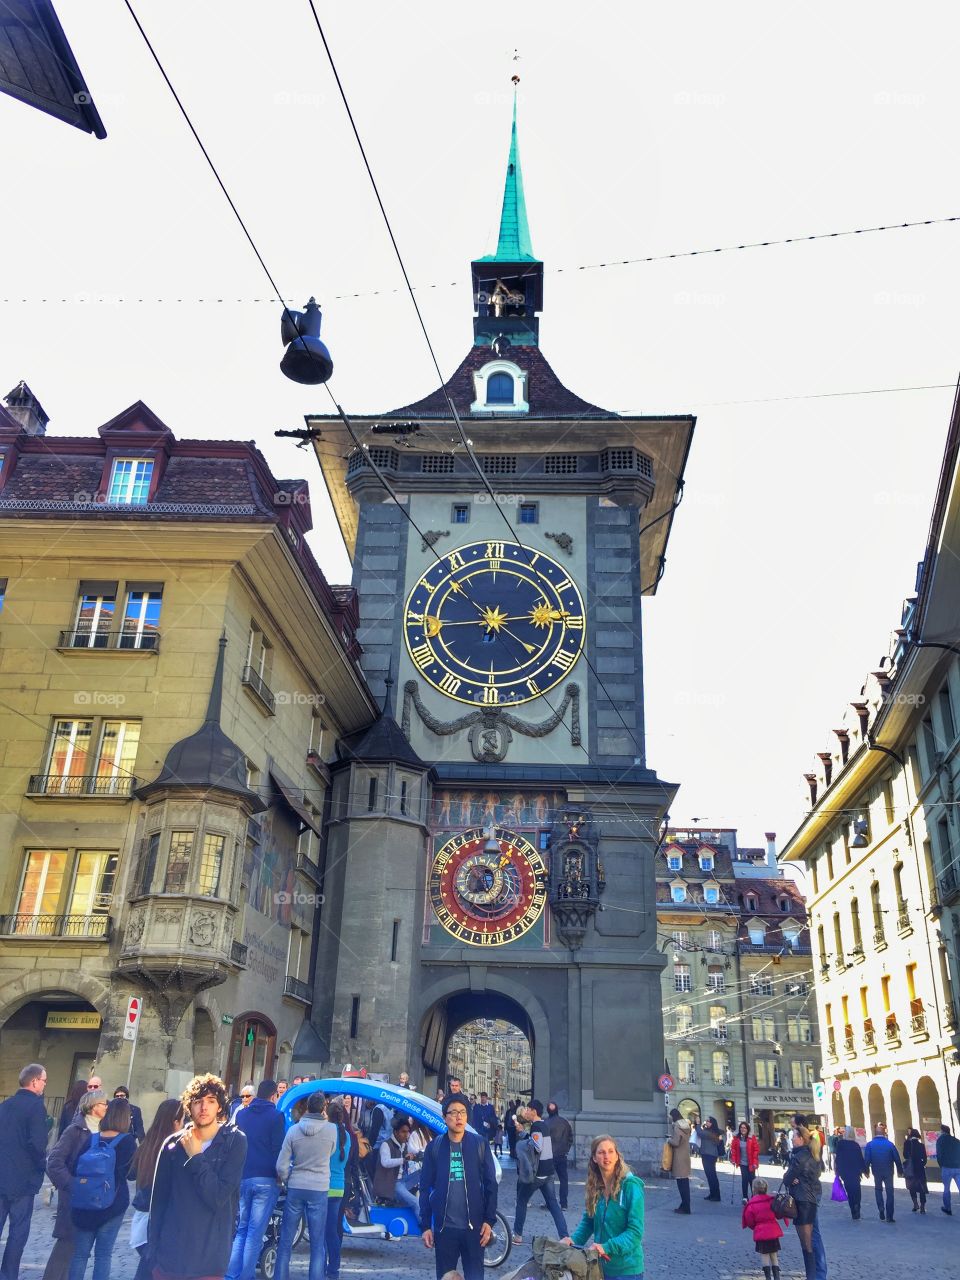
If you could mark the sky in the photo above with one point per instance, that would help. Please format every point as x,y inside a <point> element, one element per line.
<point>644,130</point>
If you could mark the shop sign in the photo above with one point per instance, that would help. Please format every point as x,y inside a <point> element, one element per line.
<point>780,1100</point>
<point>73,1020</point>
<point>227,1019</point>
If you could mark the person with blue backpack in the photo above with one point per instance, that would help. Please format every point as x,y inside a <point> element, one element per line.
<point>99,1195</point>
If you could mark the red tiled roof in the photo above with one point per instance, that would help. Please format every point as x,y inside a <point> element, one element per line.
<point>546,394</point>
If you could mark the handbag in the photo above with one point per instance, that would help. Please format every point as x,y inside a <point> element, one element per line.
<point>666,1160</point>
<point>838,1193</point>
<point>783,1204</point>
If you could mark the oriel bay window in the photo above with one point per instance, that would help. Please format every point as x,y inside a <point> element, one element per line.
<point>64,893</point>
<point>188,869</point>
<point>93,757</point>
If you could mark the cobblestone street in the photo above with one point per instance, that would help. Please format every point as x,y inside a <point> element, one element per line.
<point>710,1243</point>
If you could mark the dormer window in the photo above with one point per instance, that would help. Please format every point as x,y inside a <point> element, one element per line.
<point>500,387</point>
<point>130,481</point>
<point>675,862</point>
<point>711,894</point>
<point>758,933</point>
<point>678,892</point>
<point>706,862</point>
<point>751,902</point>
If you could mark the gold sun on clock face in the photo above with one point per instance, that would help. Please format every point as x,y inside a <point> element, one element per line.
<point>495,623</point>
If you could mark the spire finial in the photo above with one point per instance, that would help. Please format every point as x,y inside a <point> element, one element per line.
<point>388,692</point>
<point>216,689</point>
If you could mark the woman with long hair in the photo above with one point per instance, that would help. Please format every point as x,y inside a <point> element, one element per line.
<point>915,1170</point>
<point>96,1230</point>
<point>61,1162</point>
<point>71,1103</point>
<point>168,1120</point>
<point>745,1156</point>
<point>336,1201</point>
<point>802,1180</point>
<point>849,1164</point>
<point>614,1212</point>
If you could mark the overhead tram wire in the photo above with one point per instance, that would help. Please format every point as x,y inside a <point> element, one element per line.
<point>484,479</point>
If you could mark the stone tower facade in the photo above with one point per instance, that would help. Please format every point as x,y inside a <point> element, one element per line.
<point>504,532</point>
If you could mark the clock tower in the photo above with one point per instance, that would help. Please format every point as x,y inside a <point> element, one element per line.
<point>504,535</point>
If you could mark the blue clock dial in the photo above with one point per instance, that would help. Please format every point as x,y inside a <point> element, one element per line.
<point>494,623</point>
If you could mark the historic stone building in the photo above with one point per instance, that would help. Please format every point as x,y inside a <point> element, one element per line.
<point>740,1039</point>
<point>881,847</point>
<point>176,673</point>
<point>494,834</point>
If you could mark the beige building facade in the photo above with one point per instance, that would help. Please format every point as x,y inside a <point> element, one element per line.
<point>176,675</point>
<point>880,844</point>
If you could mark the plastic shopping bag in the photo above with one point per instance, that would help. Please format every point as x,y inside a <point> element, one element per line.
<point>838,1192</point>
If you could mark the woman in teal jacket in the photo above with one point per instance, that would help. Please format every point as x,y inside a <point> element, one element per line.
<point>614,1212</point>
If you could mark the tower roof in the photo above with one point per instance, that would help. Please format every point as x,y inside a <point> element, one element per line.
<point>513,243</point>
<point>208,760</point>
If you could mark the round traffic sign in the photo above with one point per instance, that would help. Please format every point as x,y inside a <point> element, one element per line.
<point>665,1083</point>
<point>837,1086</point>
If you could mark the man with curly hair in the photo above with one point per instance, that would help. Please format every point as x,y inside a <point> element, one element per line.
<point>196,1190</point>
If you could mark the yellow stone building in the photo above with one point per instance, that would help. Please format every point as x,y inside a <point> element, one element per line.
<point>175,674</point>
<point>881,846</point>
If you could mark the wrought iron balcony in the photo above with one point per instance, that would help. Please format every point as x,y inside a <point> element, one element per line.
<point>298,990</point>
<point>948,886</point>
<point>879,937</point>
<point>849,1044</point>
<point>918,1023</point>
<point>722,1077</point>
<point>869,1038</point>
<point>238,953</point>
<point>891,1033</point>
<point>23,925</point>
<point>253,681</point>
<point>57,786</point>
<point>903,918</point>
<point>109,641</point>
<point>687,1077</point>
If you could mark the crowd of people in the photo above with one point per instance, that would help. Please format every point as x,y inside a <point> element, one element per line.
<point>798,1198</point>
<point>207,1176</point>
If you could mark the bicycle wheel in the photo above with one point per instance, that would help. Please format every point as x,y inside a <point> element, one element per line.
<point>501,1242</point>
<point>268,1261</point>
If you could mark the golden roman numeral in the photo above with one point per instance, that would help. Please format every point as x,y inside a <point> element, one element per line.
<point>414,617</point>
<point>450,683</point>
<point>491,696</point>
<point>495,565</point>
<point>456,561</point>
<point>575,623</point>
<point>564,660</point>
<point>494,549</point>
<point>422,655</point>
<point>562,586</point>
<point>533,686</point>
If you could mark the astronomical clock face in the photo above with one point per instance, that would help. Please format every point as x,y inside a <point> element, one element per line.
<point>487,897</point>
<point>494,623</point>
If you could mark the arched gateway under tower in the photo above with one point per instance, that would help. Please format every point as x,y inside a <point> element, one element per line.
<point>491,838</point>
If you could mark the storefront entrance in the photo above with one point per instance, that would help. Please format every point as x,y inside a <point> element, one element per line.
<point>62,1032</point>
<point>253,1051</point>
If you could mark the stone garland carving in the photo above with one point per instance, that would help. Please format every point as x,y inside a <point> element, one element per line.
<point>490,727</point>
<point>563,541</point>
<point>431,536</point>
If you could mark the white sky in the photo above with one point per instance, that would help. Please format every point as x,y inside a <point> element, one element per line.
<point>644,129</point>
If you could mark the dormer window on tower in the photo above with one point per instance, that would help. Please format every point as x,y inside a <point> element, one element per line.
<point>500,386</point>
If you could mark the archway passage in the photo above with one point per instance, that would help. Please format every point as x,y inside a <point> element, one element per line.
<point>877,1106</point>
<point>480,1035</point>
<point>856,1112</point>
<point>838,1114</point>
<point>60,1030</point>
<point>929,1114</point>
<point>900,1113</point>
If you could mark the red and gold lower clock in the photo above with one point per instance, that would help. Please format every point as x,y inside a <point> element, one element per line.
<point>488,888</point>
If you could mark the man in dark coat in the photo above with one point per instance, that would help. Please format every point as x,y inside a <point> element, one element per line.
<point>196,1190</point>
<point>849,1164</point>
<point>458,1194</point>
<point>136,1115</point>
<point>561,1135</point>
<point>881,1157</point>
<point>23,1160</point>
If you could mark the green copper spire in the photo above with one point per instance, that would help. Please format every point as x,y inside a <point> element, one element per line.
<point>514,242</point>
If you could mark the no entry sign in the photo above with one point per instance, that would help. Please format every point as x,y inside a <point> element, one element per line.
<point>132,1021</point>
<point>665,1083</point>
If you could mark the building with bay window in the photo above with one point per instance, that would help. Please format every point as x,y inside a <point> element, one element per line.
<point>178,674</point>
<point>737,990</point>
<point>881,847</point>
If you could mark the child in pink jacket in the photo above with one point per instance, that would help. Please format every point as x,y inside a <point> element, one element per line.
<point>758,1214</point>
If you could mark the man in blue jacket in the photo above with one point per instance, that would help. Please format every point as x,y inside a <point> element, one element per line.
<point>880,1157</point>
<point>265,1129</point>
<point>458,1195</point>
<point>948,1158</point>
<point>23,1159</point>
